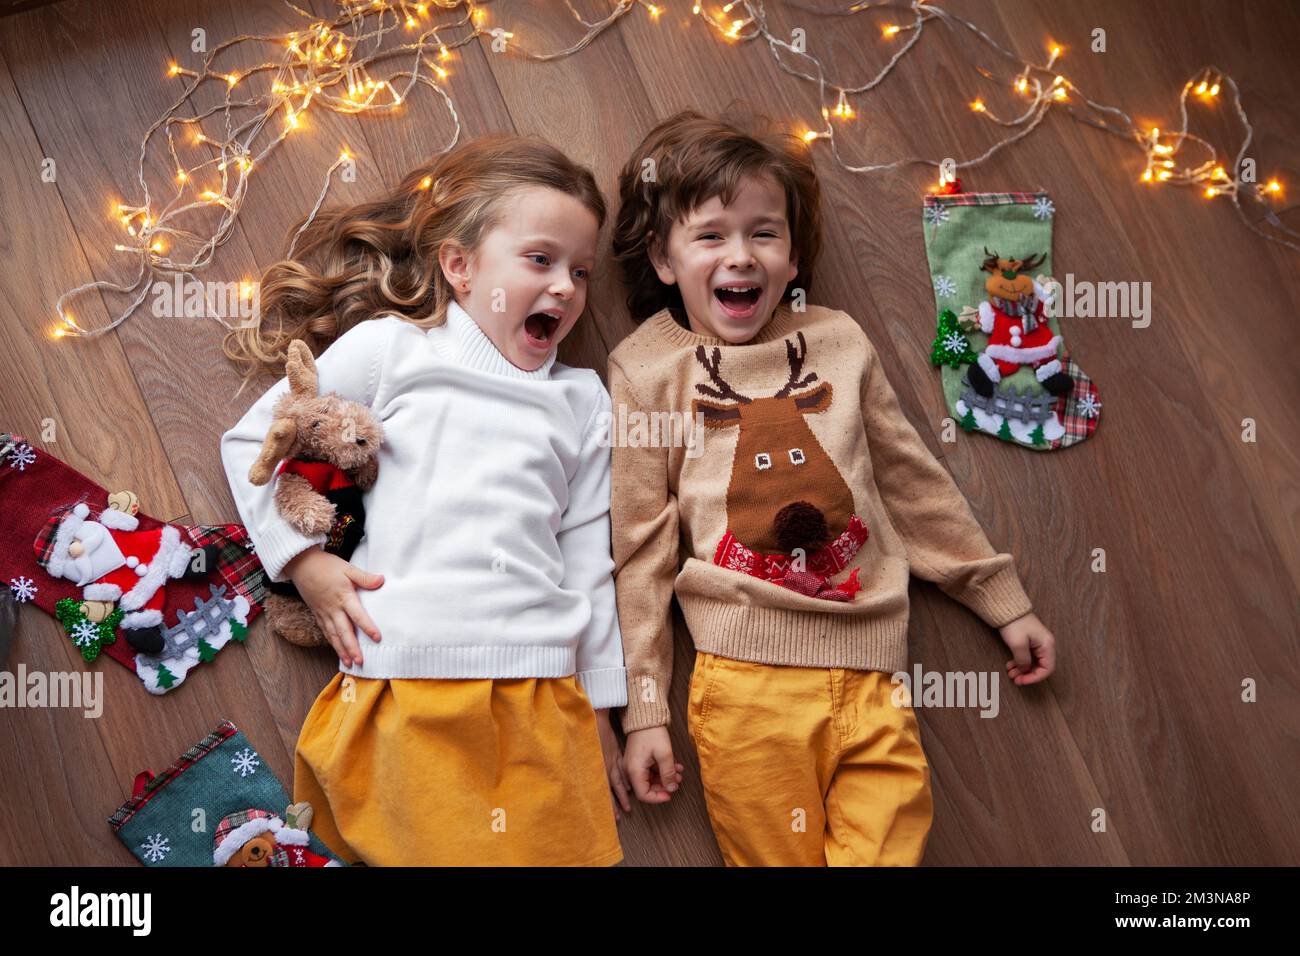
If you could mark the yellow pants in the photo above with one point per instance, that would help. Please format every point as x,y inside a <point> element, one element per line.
<point>457,773</point>
<point>808,766</point>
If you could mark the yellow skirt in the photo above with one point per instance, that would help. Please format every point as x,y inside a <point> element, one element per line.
<point>808,766</point>
<point>457,773</point>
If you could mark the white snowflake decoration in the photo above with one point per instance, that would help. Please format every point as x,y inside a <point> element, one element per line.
<point>954,343</point>
<point>936,214</point>
<point>944,287</point>
<point>23,589</point>
<point>1088,406</point>
<point>156,848</point>
<point>1043,208</point>
<point>245,762</point>
<point>22,456</point>
<point>84,633</point>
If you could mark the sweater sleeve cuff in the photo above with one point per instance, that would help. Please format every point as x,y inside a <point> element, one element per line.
<point>999,599</point>
<point>647,703</point>
<point>606,687</point>
<point>278,544</point>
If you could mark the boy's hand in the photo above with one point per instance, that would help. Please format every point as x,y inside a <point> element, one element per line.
<point>648,760</point>
<point>1033,649</point>
<point>328,585</point>
<point>613,763</point>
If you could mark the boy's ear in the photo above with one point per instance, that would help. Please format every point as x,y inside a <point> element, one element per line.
<point>454,263</point>
<point>663,268</point>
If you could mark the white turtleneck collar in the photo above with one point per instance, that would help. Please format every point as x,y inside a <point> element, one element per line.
<point>461,340</point>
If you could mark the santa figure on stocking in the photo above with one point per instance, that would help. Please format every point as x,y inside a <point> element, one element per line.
<point>116,563</point>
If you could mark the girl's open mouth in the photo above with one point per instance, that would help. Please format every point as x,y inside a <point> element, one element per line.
<point>540,327</point>
<point>738,303</point>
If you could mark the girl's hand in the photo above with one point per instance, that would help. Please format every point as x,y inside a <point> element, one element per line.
<point>328,585</point>
<point>613,764</point>
<point>649,763</point>
<point>1033,650</point>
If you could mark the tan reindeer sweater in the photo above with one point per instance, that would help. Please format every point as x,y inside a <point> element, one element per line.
<point>788,524</point>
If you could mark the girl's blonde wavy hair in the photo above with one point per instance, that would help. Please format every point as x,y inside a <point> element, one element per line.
<point>375,258</point>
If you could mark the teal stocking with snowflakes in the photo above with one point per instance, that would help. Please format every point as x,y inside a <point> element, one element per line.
<point>218,804</point>
<point>997,341</point>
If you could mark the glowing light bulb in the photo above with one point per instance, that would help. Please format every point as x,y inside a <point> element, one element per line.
<point>809,136</point>
<point>426,182</point>
<point>1211,192</point>
<point>978,106</point>
<point>890,30</point>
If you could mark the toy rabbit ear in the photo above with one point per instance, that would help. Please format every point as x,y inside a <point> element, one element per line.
<point>279,440</point>
<point>300,367</point>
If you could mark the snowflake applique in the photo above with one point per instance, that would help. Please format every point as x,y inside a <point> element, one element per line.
<point>936,214</point>
<point>1088,406</point>
<point>23,588</point>
<point>298,855</point>
<point>245,762</point>
<point>944,287</point>
<point>954,343</point>
<point>1043,208</point>
<point>156,848</point>
<point>22,456</point>
<point>84,634</point>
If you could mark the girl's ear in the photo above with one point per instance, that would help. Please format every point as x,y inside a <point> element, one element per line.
<point>663,268</point>
<point>455,264</point>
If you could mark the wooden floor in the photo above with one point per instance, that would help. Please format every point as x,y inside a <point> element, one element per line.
<point>1144,719</point>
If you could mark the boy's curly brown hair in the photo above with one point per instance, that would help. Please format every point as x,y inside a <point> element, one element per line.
<point>687,160</point>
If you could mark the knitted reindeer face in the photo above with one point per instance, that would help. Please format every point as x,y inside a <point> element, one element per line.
<point>785,491</point>
<point>1010,279</point>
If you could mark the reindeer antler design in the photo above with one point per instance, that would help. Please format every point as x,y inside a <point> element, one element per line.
<point>795,357</point>
<point>723,390</point>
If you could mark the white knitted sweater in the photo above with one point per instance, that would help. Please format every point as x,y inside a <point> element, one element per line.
<point>490,516</point>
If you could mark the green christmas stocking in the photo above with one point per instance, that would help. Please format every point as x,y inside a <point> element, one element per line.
<point>1006,370</point>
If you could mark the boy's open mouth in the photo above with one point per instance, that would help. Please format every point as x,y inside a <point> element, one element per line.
<point>739,302</point>
<point>539,327</point>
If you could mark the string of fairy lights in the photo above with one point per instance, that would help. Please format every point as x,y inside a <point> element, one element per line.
<point>336,64</point>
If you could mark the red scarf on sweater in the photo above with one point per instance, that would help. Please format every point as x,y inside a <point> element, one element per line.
<point>825,563</point>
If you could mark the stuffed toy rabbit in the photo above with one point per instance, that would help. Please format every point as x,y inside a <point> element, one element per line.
<point>323,452</point>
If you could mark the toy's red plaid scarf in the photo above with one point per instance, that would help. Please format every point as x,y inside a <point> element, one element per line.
<point>812,579</point>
